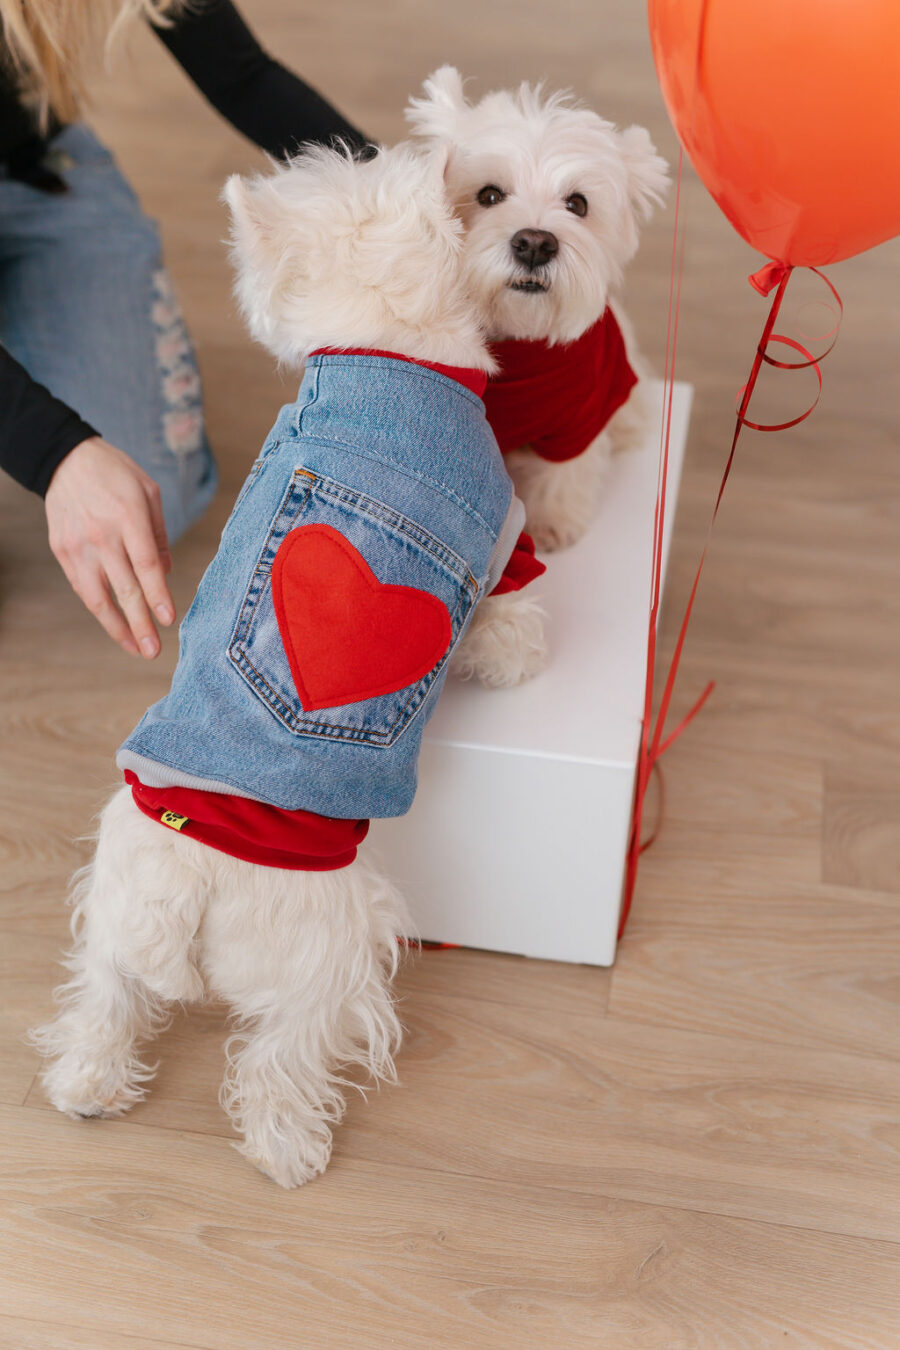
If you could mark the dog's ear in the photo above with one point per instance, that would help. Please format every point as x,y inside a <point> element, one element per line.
<point>255,213</point>
<point>437,113</point>
<point>648,172</point>
<point>438,162</point>
<point>263,224</point>
<point>267,271</point>
<point>236,195</point>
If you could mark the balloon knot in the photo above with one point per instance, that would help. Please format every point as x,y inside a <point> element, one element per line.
<point>768,277</point>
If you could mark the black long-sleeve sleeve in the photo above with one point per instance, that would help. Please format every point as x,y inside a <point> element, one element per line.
<point>37,431</point>
<point>257,95</point>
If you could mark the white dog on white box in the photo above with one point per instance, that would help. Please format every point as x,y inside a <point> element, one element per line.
<point>377,516</point>
<point>551,198</point>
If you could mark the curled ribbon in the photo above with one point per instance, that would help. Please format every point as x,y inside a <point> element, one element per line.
<point>774,276</point>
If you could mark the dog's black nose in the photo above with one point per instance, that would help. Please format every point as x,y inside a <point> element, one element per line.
<point>534,248</point>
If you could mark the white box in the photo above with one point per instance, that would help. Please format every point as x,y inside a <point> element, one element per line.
<point>516,840</point>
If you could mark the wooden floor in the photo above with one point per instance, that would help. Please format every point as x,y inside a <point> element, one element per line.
<point>700,1148</point>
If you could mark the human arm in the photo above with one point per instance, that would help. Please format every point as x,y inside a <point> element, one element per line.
<point>104,517</point>
<point>254,92</point>
<point>37,431</point>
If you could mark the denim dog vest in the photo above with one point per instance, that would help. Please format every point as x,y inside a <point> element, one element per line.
<point>377,515</point>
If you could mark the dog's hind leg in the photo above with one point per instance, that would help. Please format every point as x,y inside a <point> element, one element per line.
<point>131,957</point>
<point>306,960</point>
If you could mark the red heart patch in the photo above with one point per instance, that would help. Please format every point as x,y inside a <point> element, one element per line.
<point>347,636</point>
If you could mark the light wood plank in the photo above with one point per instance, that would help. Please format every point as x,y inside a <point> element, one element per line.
<point>21,1333</point>
<point>719,1123</point>
<point>862,825</point>
<point>723,1124</point>
<point>514,981</point>
<point>28,964</point>
<point>840,717</point>
<point>818,972</point>
<point>421,1265</point>
<point>772,794</point>
<point>605,1107</point>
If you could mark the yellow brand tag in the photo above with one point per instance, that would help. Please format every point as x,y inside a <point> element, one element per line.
<point>174,821</point>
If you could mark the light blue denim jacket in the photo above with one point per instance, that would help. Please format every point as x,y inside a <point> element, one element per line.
<point>401,461</point>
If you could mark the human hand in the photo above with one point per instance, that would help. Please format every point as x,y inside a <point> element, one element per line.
<point>106,530</point>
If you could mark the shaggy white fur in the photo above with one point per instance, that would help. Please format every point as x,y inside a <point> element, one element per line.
<point>329,252</point>
<point>304,959</point>
<point>504,643</point>
<point>542,153</point>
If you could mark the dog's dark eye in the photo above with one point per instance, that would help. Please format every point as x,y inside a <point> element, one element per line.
<point>490,196</point>
<point>577,204</point>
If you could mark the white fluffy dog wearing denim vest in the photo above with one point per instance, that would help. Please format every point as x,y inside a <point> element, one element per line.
<point>523,165</point>
<point>304,959</point>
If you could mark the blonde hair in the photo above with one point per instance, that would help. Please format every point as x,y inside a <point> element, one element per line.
<point>52,45</point>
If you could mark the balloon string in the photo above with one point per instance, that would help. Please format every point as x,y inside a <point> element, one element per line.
<point>652,745</point>
<point>645,762</point>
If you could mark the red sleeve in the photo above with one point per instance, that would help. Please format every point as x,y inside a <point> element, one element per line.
<point>523,567</point>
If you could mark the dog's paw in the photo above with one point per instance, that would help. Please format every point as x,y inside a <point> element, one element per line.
<point>289,1162</point>
<point>552,533</point>
<point>505,642</point>
<point>85,1088</point>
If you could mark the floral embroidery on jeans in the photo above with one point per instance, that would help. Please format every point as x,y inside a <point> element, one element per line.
<point>183,415</point>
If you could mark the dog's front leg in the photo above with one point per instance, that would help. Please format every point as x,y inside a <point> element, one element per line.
<point>305,959</point>
<point>504,643</point>
<point>560,499</point>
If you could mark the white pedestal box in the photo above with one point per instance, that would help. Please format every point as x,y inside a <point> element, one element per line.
<point>516,840</point>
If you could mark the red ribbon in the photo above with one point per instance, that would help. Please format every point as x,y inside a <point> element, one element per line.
<point>653,746</point>
<point>768,277</point>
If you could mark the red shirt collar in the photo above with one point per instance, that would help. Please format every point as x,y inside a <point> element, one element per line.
<point>558,399</point>
<point>475,380</point>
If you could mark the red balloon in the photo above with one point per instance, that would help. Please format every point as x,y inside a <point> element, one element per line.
<point>790,112</point>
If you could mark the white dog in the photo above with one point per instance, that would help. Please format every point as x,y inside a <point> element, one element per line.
<point>551,197</point>
<point>380,486</point>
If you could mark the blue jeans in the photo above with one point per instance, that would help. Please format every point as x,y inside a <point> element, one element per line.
<point>87,307</point>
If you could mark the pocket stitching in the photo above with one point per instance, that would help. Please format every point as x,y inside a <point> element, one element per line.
<point>252,594</point>
<point>288,510</point>
<point>388,515</point>
<point>333,730</point>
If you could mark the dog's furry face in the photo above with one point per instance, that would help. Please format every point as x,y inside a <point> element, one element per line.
<point>522,162</point>
<point>336,252</point>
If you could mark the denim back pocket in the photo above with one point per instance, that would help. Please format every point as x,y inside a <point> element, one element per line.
<point>400,553</point>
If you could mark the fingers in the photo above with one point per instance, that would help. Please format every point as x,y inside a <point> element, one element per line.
<point>147,546</point>
<point>161,538</point>
<point>106,528</point>
<point>89,584</point>
<point>101,579</point>
<point>103,582</point>
<point>128,589</point>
